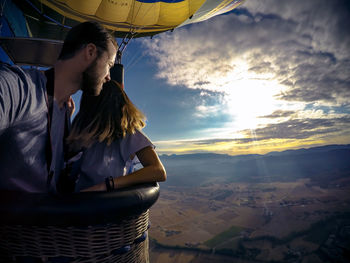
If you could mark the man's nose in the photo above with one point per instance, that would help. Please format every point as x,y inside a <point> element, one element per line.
<point>108,77</point>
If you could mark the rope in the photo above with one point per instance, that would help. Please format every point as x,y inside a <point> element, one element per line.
<point>47,17</point>
<point>1,14</point>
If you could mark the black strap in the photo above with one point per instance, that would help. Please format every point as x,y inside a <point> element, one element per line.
<point>67,128</point>
<point>50,84</point>
<point>64,183</point>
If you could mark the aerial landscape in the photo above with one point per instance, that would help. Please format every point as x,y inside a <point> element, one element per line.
<point>247,106</point>
<point>292,206</point>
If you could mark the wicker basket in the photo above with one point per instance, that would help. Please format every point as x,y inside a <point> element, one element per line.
<point>123,239</point>
<point>101,243</point>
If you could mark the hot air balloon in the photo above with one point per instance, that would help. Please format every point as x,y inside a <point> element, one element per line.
<point>51,18</point>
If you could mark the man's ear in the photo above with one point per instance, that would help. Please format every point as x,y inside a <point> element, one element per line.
<point>90,52</point>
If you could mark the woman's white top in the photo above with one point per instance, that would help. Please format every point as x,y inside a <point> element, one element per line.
<point>101,160</point>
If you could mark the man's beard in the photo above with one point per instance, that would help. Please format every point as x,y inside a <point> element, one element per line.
<point>91,84</point>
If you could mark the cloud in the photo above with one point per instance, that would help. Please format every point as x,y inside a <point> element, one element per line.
<point>271,73</point>
<point>304,45</point>
<point>293,133</point>
<point>279,114</point>
<point>300,128</point>
<point>315,59</point>
<point>290,129</point>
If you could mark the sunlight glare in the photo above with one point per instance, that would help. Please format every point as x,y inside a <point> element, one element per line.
<point>251,95</point>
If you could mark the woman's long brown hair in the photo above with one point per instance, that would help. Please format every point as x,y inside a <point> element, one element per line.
<point>104,118</point>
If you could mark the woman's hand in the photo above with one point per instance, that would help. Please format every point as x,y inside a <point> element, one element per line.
<point>95,188</point>
<point>71,106</point>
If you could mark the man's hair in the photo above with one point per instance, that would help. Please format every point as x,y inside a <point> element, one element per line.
<point>104,118</point>
<point>81,35</point>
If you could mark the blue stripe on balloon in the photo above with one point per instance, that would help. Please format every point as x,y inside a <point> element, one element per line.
<point>156,1</point>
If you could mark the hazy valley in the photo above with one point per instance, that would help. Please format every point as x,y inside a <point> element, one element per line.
<point>292,206</point>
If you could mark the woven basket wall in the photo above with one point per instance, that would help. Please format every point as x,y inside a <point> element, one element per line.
<point>99,243</point>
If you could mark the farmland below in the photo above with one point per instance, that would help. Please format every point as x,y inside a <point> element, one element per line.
<point>215,208</point>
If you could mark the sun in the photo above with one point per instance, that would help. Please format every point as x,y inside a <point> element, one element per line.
<point>251,95</point>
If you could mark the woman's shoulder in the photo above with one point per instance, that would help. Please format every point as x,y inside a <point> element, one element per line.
<point>137,135</point>
<point>130,139</point>
<point>135,141</point>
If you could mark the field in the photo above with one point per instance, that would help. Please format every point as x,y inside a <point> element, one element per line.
<point>249,222</point>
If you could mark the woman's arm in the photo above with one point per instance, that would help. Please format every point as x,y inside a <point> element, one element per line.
<point>152,171</point>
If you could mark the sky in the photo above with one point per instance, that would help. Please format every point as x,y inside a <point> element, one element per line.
<point>269,76</point>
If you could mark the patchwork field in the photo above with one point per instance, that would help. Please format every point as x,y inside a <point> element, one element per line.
<point>249,222</point>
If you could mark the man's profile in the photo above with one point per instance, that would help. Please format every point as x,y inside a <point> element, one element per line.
<point>35,107</point>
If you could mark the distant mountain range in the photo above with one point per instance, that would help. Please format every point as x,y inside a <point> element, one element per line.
<point>322,165</point>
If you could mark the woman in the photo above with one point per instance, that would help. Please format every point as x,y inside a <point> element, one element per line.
<point>107,130</point>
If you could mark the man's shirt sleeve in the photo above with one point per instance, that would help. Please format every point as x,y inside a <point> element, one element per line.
<point>9,97</point>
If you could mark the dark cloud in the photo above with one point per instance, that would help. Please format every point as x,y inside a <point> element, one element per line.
<point>204,142</point>
<point>309,45</point>
<point>201,83</point>
<point>320,82</point>
<point>291,129</point>
<point>212,141</point>
<point>279,114</point>
<point>262,67</point>
<point>300,128</point>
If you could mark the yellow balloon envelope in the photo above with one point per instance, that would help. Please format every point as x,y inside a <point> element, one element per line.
<point>145,17</point>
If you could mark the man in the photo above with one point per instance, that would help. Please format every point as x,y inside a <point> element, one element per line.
<point>34,106</point>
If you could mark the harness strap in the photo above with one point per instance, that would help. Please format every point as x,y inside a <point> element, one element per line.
<point>50,76</point>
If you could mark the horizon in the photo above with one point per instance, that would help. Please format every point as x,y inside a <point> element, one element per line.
<point>200,153</point>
